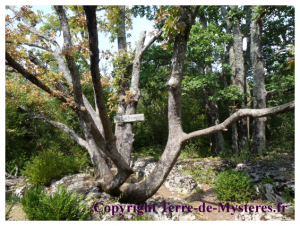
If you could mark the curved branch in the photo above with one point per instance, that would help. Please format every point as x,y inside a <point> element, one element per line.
<point>256,113</point>
<point>282,50</point>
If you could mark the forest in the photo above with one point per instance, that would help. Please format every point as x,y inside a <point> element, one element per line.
<point>212,82</point>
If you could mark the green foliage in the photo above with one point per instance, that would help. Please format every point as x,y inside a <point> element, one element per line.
<point>196,148</point>
<point>287,195</point>
<point>61,205</point>
<point>233,186</point>
<point>49,165</point>
<point>154,151</point>
<point>206,176</point>
<point>230,93</point>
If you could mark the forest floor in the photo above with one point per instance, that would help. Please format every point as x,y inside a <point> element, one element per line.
<point>207,196</point>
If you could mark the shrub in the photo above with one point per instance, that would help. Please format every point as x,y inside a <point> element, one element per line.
<point>61,205</point>
<point>49,165</point>
<point>234,186</point>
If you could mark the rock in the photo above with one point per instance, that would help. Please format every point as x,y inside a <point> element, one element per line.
<point>19,192</point>
<point>279,173</point>
<point>81,183</point>
<point>176,180</point>
<point>289,211</point>
<point>260,216</point>
<point>270,193</point>
<point>140,164</point>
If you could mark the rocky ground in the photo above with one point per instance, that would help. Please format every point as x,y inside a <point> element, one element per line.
<point>182,189</point>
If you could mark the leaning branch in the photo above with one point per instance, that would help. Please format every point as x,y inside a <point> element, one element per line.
<point>256,113</point>
<point>12,63</point>
<point>282,50</point>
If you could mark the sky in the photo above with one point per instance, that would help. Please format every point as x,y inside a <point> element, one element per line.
<point>139,24</point>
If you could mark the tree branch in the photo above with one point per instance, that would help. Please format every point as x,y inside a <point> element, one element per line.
<point>32,45</point>
<point>282,50</point>
<point>151,42</point>
<point>271,92</point>
<point>277,28</point>
<point>32,29</point>
<point>256,113</point>
<point>33,79</point>
<point>94,59</point>
<point>36,61</point>
<point>55,124</point>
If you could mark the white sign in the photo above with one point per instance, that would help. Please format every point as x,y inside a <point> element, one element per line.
<point>129,118</point>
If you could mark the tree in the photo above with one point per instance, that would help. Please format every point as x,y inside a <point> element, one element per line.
<point>102,144</point>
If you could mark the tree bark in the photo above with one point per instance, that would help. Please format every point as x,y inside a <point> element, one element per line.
<point>259,91</point>
<point>239,80</point>
<point>142,191</point>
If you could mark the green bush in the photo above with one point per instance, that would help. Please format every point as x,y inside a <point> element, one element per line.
<point>234,186</point>
<point>61,205</point>
<point>49,165</point>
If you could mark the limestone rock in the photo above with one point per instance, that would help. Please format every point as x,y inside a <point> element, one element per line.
<point>81,183</point>
<point>280,172</point>
<point>260,216</point>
